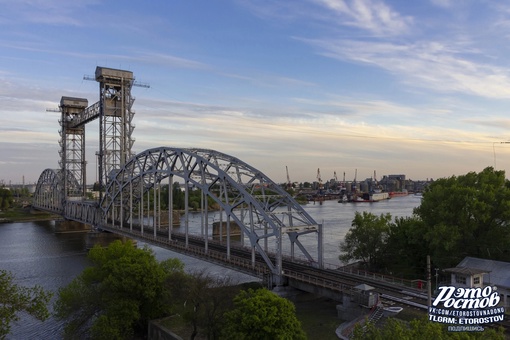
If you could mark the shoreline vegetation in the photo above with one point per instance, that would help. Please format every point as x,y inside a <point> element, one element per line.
<point>25,214</point>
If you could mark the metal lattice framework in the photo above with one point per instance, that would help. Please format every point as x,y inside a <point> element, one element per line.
<point>116,119</point>
<point>262,209</point>
<point>49,192</point>
<point>72,145</point>
<point>244,198</point>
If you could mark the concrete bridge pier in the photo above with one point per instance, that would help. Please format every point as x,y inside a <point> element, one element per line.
<point>68,226</point>
<point>104,238</point>
<point>349,310</point>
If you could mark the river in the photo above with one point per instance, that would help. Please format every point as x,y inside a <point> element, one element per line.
<point>36,255</point>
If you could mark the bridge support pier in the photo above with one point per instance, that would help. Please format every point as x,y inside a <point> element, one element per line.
<point>68,226</point>
<point>104,239</point>
<point>349,310</point>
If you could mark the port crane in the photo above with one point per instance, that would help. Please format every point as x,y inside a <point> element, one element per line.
<point>321,187</point>
<point>343,183</point>
<point>289,183</point>
<point>319,179</point>
<point>354,182</point>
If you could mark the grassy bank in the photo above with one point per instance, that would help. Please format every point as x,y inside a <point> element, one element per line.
<point>24,214</point>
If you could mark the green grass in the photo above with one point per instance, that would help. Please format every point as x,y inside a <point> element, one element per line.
<point>318,316</point>
<point>23,214</point>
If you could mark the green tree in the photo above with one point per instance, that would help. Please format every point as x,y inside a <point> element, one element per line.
<point>261,314</point>
<point>406,248</point>
<point>467,215</point>
<point>6,198</point>
<point>116,296</point>
<point>203,300</point>
<point>421,329</point>
<point>366,240</point>
<point>15,299</point>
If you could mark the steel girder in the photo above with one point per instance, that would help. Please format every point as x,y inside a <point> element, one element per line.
<point>83,211</point>
<point>245,195</point>
<point>49,191</point>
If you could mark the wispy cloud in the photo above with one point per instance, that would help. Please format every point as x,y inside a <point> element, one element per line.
<point>433,65</point>
<point>52,12</point>
<point>443,3</point>
<point>370,15</point>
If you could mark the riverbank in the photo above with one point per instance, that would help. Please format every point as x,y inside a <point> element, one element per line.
<point>25,214</point>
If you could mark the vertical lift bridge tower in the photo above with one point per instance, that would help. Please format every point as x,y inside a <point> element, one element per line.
<point>115,130</point>
<point>115,120</point>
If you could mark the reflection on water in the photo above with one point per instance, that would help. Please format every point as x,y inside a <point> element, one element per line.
<point>36,255</point>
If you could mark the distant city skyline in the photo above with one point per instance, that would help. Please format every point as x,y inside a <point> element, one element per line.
<point>419,88</point>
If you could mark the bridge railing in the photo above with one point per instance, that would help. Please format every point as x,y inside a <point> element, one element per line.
<point>415,284</point>
<point>255,269</point>
<point>316,281</point>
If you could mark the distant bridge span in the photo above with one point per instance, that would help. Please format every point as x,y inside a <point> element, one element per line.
<point>268,217</point>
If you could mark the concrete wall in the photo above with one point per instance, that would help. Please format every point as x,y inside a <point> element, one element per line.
<point>325,292</point>
<point>158,332</point>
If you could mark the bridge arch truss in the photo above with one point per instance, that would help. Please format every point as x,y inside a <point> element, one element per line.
<point>50,194</point>
<point>271,222</point>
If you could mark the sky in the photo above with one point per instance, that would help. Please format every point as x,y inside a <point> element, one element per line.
<point>420,88</point>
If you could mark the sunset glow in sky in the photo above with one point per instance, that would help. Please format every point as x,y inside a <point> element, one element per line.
<point>420,88</point>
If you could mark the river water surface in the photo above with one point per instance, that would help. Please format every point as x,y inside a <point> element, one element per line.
<point>36,255</point>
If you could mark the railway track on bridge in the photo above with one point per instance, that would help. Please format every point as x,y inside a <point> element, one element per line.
<point>241,259</point>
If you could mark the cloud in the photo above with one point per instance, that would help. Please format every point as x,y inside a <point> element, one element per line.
<point>369,15</point>
<point>52,12</point>
<point>167,60</point>
<point>443,3</point>
<point>499,123</point>
<point>433,65</point>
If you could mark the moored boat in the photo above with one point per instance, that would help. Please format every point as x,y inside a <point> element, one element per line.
<point>398,193</point>
<point>370,197</point>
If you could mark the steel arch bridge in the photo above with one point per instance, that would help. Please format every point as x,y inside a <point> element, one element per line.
<point>49,192</point>
<point>271,222</point>
<point>132,188</point>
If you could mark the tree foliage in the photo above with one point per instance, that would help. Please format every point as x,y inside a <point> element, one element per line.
<point>467,215</point>
<point>6,198</point>
<point>261,314</point>
<point>421,329</point>
<point>366,240</point>
<point>459,216</point>
<point>116,296</point>
<point>201,300</point>
<point>15,299</point>
<point>406,250</point>
<point>178,197</point>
